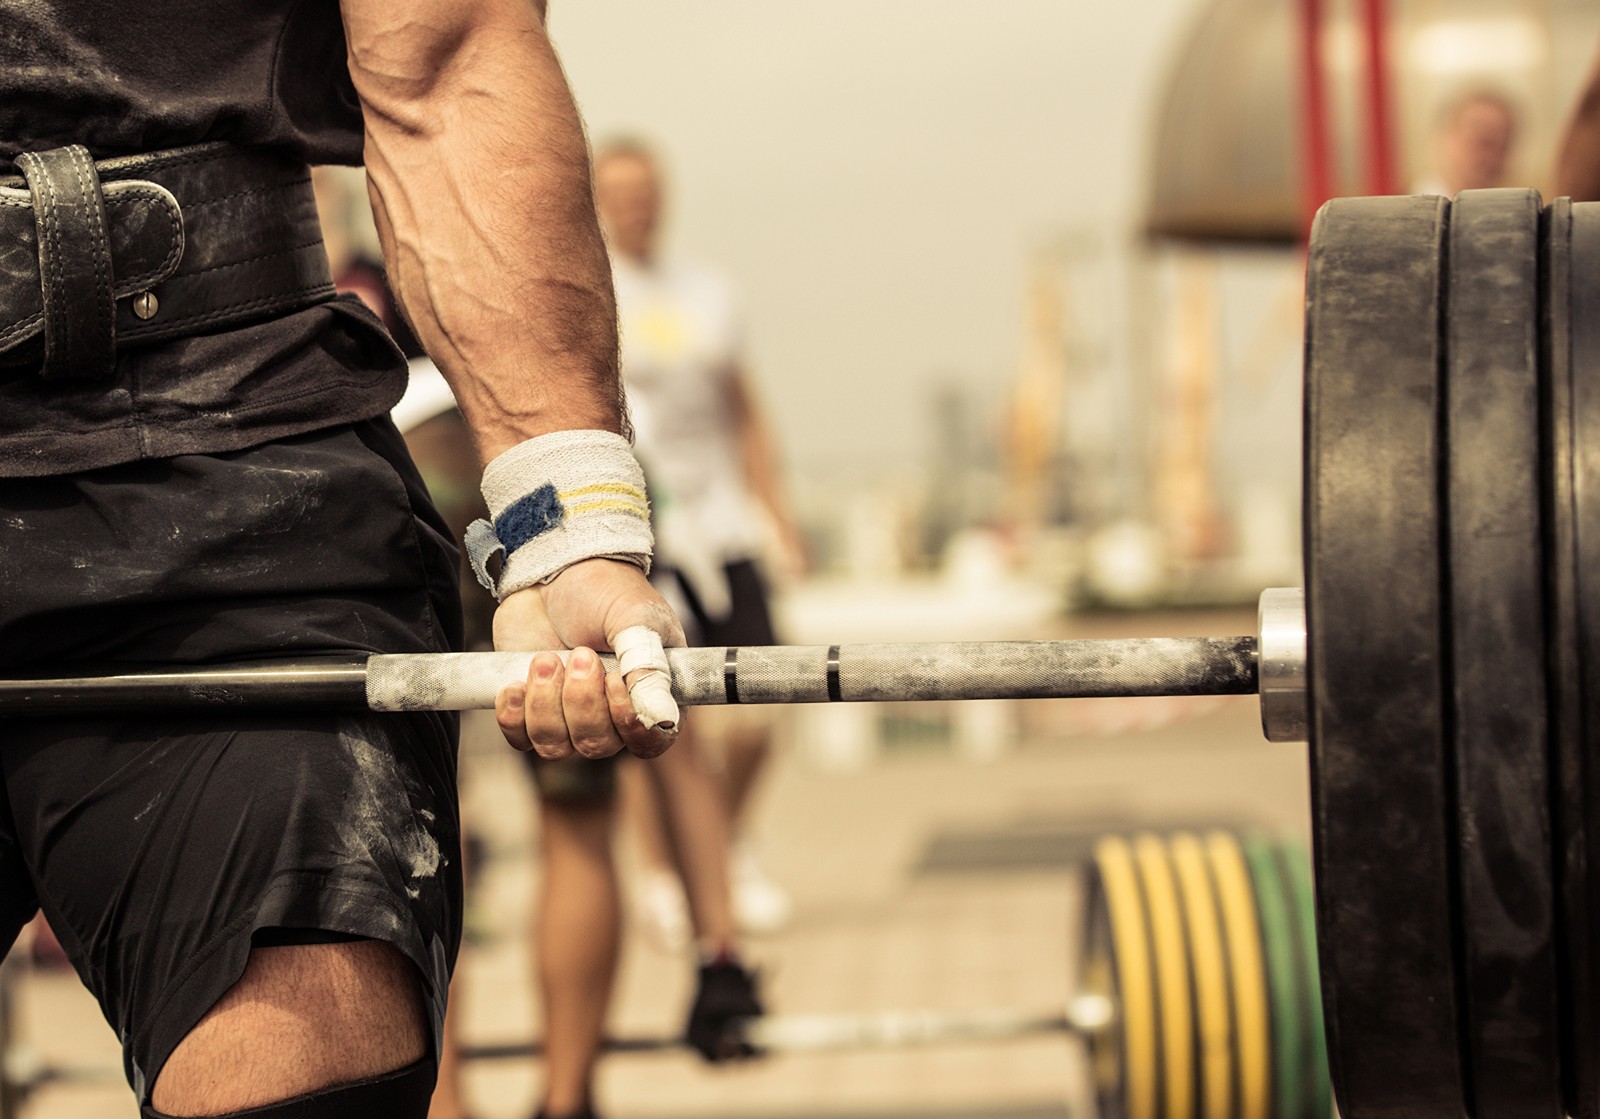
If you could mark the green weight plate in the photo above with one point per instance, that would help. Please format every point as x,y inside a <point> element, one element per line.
<point>1496,642</point>
<point>1279,949</point>
<point>1247,972</point>
<point>1377,675</point>
<point>1296,865</point>
<point>1208,960</point>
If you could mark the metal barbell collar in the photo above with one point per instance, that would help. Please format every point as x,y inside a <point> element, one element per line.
<point>1281,664</point>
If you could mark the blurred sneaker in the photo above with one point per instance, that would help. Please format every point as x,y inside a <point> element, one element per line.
<point>663,909</point>
<point>760,905</point>
<point>725,1000</point>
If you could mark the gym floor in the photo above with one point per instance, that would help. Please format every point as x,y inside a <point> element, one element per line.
<point>923,879</point>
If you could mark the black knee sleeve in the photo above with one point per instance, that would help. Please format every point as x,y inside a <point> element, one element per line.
<point>402,1094</point>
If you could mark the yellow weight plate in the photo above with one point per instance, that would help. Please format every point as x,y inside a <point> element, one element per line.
<point>1252,1016</point>
<point>1176,1019</point>
<point>1209,962</point>
<point>1135,982</point>
<point>1097,980</point>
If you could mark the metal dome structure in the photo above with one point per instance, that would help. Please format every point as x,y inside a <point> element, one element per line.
<point>1230,150</point>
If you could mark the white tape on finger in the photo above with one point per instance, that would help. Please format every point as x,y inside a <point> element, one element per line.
<point>639,648</point>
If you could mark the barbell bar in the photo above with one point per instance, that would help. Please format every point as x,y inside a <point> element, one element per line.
<point>1153,666</point>
<point>796,1034</point>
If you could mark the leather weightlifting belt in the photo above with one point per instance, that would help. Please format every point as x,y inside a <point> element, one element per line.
<point>98,256</point>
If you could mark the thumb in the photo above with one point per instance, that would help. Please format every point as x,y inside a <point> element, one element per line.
<point>607,601</point>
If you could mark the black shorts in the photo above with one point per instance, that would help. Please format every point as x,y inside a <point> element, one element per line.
<point>161,847</point>
<point>749,620</point>
<point>579,782</point>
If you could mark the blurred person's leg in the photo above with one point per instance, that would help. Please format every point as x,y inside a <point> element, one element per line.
<point>577,934</point>
<point>660,891</point>
<point>745,755</point>
<point>693,813</point>
<point>691,828</point>
<point>577,939</point>
<point>760,904</point>
<point>745,734</point>
<point>658,895</point>
<point>448,1100</point>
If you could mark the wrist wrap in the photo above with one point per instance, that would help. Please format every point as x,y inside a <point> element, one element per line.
<point>557,499</point>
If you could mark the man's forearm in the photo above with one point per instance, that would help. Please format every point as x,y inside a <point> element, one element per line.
<point>479,176</point>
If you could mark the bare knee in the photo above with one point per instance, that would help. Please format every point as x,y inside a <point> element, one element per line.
<point>301,1018</point>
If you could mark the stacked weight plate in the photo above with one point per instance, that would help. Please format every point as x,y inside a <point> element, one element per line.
<point>1452,543</point>
<point>1571,408</point>
<point>1205,946</point>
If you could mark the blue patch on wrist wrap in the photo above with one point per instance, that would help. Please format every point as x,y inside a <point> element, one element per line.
<point>528,517</point>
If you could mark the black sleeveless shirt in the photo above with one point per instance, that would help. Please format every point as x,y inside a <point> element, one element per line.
<point>128,76</point>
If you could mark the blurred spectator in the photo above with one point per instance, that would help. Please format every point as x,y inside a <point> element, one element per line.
<point>1473,141</point>
<point>715,492</point>
<point>1578,158</point>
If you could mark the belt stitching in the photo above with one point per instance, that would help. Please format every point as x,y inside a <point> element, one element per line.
<point>22,327</point>
<point>248,304</point>
<point>248,260</point>
<point>276,188</point>
<point>105,297</point>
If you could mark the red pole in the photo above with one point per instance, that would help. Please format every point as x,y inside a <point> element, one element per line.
<point>1381,176</point>
<point>1317,185</point>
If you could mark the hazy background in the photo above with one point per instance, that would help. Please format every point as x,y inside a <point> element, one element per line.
<point>874,174</point>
